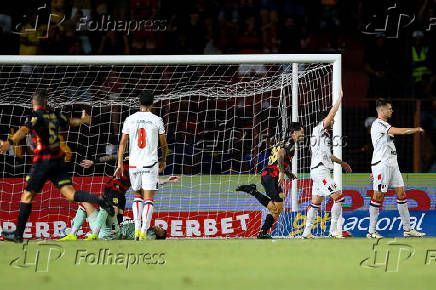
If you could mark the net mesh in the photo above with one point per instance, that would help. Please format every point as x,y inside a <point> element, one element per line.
<point>221,122</point>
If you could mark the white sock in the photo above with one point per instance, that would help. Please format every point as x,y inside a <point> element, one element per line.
<point>374,208</point>
<point>336,215</point>
<point>311,214</point>
<point>137,207</point>
<point>403,209</point>
<point>146,215</point>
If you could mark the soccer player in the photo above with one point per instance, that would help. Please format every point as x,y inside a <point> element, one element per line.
<point>48,161</point>
<point>102,226</point>
<point>143,130</point>
<point>320,172</point>
<point>272,178</point>
<point>115,188</point>
<point>385,169</point>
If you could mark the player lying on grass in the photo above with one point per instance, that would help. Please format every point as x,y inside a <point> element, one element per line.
<point>48,162</point>
<point>127,231</point>
<point>272,178</point>
<point>102,226</point>
<point>385,169</point>
<point>321,166</point>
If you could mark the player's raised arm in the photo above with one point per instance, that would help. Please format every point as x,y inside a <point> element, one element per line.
<point>404,131</point>
<point>164,147</point>
<point>85,119</point>
<point>15,139</point>
<point>123,144</point>
<point>327,120</point>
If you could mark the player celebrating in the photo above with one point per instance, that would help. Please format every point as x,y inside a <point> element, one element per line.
<point>320,167</point>
<point>48,162</point>
<point>143,130</point>
<point>272,178</point>
<point>102,226</point>
<point>385,169</point>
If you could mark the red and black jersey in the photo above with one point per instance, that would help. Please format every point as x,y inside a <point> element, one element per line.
<point>123,184</point>
<point>289,146</point>
<point>44,125</point>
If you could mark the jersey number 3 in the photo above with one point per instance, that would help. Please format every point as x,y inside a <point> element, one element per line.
<point>141,138</point>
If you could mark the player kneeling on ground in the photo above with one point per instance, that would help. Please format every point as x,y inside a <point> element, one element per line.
<point>103,227</point>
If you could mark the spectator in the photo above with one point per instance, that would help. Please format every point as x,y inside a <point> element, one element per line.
<point>269,19</point>
<point>114,43</point>
<point>376,65</point>
<point>30,37</point>
<point>420,54</point>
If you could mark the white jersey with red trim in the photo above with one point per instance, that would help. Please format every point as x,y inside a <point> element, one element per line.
<point>383,143</point>
<point>143,129</point>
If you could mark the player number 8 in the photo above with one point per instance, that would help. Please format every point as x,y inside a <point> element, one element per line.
<point>141,138</point>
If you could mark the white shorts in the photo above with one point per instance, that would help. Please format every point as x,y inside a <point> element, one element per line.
<point>386,177</point>
<point>144,178</point>
<point>323,183</point>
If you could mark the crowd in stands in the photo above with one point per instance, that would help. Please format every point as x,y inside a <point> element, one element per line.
<point>387,46</point>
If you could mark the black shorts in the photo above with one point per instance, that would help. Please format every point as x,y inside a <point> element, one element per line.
<point>43,170</point>
<point>117,198</point>
<point>272,188</point>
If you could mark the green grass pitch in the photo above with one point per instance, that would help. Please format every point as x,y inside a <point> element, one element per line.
<point>220,264</point>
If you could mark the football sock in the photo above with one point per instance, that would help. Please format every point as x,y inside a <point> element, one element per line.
<point>311,214</point>
<point>269,220</point>
<point>84,196</point>
<point>23,216</point>
<point>336,213</point>
<point>374,208</point>
<point>404,213</point>
<point>137,208</point>
<point>263,199</point>
<point>78,220</point>
<point>146,215</point>
<point>101,221</point>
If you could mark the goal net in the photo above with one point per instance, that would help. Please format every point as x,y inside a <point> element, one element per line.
<point>222,118</point>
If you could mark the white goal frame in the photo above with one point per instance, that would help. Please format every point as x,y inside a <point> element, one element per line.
<point>294,59</point>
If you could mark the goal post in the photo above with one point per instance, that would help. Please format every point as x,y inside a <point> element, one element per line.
<point>219,111</point>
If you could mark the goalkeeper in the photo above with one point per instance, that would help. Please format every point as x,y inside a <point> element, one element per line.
<point>103,226</point>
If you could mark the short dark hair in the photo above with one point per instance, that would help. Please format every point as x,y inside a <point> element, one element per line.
<point>40,97</point>
<point>380,102</point>
<point>146,98</point>
<point>163,237</point>
<point>295,126</point>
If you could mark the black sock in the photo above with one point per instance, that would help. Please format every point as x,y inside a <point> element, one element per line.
<point>120,218</point>
<point>263,199</point>
<point>23,216</point>
<point>84,196</point>
<point>268,223</point>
